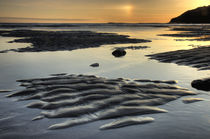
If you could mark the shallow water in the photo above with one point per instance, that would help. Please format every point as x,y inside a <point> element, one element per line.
<point>183,120</point>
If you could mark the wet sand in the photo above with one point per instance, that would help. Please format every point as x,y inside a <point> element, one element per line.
<point>197,57</point>
<point>125,103</point>
<point>194,33</point>
<point>87,98</point>
<point>64,40</point>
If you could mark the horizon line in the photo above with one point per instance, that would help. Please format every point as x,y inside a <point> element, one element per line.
<point>65,19</point>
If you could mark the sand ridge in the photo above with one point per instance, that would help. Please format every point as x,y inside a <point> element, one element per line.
<point>87,98</point>
<point>197,57</point>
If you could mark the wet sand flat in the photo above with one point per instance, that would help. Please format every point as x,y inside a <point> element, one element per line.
<point>194,33</point>
<point>197,57</point>
<point>87,98</point>
<point>64,40</point>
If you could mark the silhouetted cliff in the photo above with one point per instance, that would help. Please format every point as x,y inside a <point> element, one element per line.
<point>198,15</point>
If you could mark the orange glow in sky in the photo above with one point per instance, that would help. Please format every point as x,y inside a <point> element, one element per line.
<point>95,11</point>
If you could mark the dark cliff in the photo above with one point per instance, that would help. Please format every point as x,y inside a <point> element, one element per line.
<point>198,15</point>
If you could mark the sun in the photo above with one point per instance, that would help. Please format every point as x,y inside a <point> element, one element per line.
<point>127,8</point>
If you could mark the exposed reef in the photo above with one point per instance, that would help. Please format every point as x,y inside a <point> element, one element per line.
<point>197,57</point>
<point>64,40</point>
<point>198,15</point>
<point>87,98</point>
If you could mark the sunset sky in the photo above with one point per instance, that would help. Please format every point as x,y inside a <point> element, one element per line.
<point>95,11</point>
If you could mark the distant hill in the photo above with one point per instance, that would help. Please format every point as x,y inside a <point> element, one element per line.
<point>198,15</point>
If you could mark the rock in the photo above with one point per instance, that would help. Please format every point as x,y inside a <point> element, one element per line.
<point>198,15</point>
<point>119,52</point>
<point>95,65</point>
<point>202,84</point>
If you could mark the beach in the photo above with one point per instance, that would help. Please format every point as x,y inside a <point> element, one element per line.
<point>155,59</point>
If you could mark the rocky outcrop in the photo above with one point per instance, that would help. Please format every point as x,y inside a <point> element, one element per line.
<point>202,84</point>
<point>198,15</point>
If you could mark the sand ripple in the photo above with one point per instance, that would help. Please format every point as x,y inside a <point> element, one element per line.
<point>87,98</point>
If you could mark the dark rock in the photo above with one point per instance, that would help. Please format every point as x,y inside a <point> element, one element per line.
<point>198,15</point>
<point>119,52</point>
<point>95,65</point>
<point>202,84</point>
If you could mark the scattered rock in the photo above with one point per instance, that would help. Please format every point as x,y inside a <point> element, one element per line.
<point>119,52</point>
<point>95,65</point>
<point>202,84</point>
<point>192,100</point>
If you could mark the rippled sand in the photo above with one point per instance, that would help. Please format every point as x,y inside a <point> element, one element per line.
<point>197,57</point>
<point>87,98</point>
